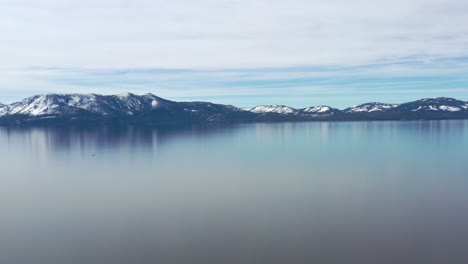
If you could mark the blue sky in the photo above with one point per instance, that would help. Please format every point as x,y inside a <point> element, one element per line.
<point>298,53</point>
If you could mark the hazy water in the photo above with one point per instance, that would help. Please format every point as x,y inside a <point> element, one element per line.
<point>351,192</point>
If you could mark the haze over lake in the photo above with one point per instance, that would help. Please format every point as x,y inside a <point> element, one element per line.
<point>310,192</point>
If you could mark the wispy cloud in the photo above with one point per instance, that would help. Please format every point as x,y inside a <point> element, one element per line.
<point>296,86</point>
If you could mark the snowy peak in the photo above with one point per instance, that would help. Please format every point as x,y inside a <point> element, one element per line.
<point>435,105</point>
<point>370,107</point>
<point>279,109</point>
<point>125,95</point>
<point>47,104</point>
<point>314,111</point>
<point>318,109</point>
<point>54,104</point>
<point>439,104</point>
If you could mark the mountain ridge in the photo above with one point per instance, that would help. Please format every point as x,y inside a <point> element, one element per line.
<point>151,109</point>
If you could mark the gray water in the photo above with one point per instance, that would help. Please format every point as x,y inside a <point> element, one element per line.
<point>343,192</point>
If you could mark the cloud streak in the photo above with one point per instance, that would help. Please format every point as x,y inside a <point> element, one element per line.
<point>296,86</point>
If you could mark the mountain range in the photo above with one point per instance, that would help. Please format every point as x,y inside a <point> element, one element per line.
<point>150,109</point>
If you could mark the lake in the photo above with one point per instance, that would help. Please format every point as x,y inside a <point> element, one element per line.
<point>312,192</point>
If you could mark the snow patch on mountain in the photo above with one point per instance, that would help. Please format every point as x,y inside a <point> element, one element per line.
<point>124,95</point>
<point>3,109</point>
<point>317,109</point>
<point>280,109</point>
<point>130,102</point>
<point>449,108</point>
<point>440,108</point>
<point>87,102</point>
<point>439,104</point>
<point>370,107</point>
<point>36,105</point>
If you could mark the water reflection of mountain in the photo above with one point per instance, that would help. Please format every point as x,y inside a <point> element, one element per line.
<point>111,137</point>
<point>147,138</point>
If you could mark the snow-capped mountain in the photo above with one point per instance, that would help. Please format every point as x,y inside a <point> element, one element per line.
<point>122,107</point>
<point>370,107</point>
<point>282,111</point>
<point>151,109</point>
<point>279,109</point>
<point>319,112</point>
<point>317,109</point>
<point>428,108</point>
<point>53,104</point>
<point>440,104</point>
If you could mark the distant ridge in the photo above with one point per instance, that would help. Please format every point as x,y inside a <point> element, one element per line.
<point>151,109</point>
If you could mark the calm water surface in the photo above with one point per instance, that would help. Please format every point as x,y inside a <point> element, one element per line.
<point>351,192</point>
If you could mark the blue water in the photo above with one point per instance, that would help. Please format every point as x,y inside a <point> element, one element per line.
<point>320,192</point>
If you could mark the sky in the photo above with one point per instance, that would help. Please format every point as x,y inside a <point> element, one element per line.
<point>297,52</point>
